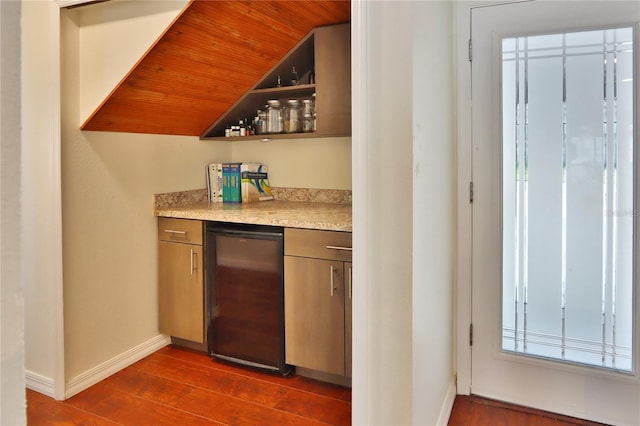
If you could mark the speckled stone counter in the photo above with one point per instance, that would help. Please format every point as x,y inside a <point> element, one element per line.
<point>332,213</point>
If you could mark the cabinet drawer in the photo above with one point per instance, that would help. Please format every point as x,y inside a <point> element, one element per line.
<point>180,230</point>
<point>332,245</point>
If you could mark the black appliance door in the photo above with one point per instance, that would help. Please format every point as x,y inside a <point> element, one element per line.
<point>247,295</point>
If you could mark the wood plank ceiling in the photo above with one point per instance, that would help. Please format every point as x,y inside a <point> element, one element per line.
<point>206,60</point>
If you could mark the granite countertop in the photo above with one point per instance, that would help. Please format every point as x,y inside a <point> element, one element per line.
<point>292,208</point>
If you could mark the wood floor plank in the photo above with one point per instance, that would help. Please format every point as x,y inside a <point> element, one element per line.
<point>297,382</point>
<point>181,387</point>
<point>42,410</point>
<point>127,409</point>
<point>250,389</point>
<point>201,402</point>
<point>477,411</point>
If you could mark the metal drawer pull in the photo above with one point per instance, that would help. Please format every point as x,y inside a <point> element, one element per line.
<point>192,262</point>
<point>339,248</point>
<point>171,231</point>
<point>332,272</point>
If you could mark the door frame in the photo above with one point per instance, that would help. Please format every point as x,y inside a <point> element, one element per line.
<point>463,297</point>
<point>464,192</point>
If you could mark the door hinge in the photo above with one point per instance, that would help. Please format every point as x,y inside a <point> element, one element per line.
<point>470,334</point>
<point>471,192</point>
<point>470,51</point>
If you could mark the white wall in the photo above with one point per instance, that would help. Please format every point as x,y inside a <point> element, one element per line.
<point>390,205</point>
<point>41,222</point>
<point>387,225</point>
<point>433,211</point>
<point>403,229</point>
<point>301,163</point>
<point>12,406</point>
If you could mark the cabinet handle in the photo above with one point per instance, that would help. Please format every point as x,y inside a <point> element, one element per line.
<point>339,248</point>
<point>171,231</point>
<point>332,272</point>
<point>349,283</point>
<point>193,264</point>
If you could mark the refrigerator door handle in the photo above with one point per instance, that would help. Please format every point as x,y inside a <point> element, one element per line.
<point>251,234</point>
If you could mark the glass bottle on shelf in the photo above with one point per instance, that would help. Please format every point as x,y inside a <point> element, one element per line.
<point>307,123</point>
<point>307,106</point>
<point>307,115</point>
<point>260,122</point>
<point>313,100</point>
<point>294,77</point>
<point>274,116</point>
<point>293,117</point>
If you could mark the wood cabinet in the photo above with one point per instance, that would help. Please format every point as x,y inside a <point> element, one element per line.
<point>348,315</point>
<point>325,51</point>
<point>181,283</point>
<point>317,280</point>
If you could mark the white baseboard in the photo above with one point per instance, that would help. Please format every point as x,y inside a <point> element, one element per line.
<point>447,405</point>
<point>115,364</point>
<point>39,383</point>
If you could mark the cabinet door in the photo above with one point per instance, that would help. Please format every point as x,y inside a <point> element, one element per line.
<point>314,313</point>
<point>333,79</point>
<point>181,291</point>
<point>348,276</point>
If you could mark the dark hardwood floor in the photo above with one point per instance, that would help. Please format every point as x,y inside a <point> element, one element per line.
<point>476,411</point>
<point>177,386</point>
<point>181,387</point>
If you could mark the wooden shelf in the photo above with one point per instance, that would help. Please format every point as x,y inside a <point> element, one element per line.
<point>267,137</point>
<point>286,90</point>
<point>325,50</point>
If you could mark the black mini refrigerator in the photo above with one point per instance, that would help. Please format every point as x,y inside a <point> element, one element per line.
<point>245,290</point>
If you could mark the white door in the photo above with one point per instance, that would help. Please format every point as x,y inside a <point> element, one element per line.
<point>555,223</point>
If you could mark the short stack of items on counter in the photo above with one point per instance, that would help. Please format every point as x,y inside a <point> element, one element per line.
<point>214,182</point>
<point>238,182</point>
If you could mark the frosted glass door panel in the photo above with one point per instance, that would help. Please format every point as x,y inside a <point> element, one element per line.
<point>568,197</point>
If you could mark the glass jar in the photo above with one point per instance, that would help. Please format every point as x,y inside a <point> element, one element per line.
<point>260,122</point>
<point>307,123</point>
<point>293,117</point>
<point>274,116</point>
<point>307,107</point>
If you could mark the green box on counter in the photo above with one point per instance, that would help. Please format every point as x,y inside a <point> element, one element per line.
<point>231,183</point>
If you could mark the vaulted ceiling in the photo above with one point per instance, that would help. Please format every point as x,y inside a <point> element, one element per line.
<point>206,60</point>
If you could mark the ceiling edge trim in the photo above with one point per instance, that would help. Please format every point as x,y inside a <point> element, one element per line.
<point>62,4</point>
